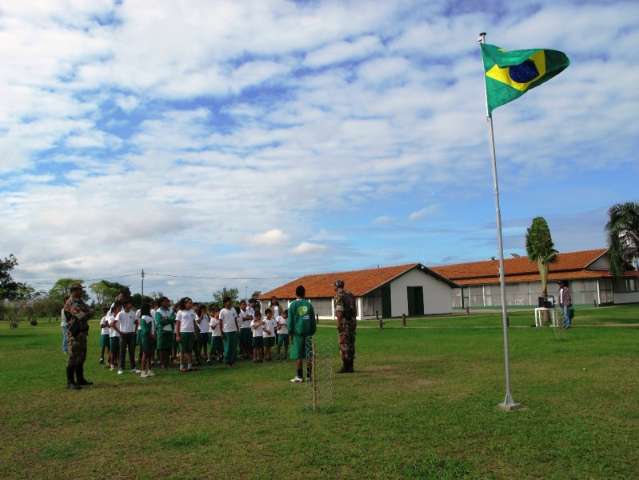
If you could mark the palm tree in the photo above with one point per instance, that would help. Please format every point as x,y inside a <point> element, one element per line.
<point>540,249</point>
<point>623,235</point>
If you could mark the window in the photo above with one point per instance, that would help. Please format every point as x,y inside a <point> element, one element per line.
<point>630,284</point>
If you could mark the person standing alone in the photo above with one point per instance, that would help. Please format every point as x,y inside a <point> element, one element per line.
<point>346,315</point>
<point>77,314</point>
<point>565,302</point>
<point>301,327</point>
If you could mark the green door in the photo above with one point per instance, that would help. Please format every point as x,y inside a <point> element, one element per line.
<point>415,297</point>
<point>386,301</point>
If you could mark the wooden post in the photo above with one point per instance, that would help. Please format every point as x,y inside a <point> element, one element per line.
<point>379,319</point>
<point>403,319</point>
<point>314,375</point>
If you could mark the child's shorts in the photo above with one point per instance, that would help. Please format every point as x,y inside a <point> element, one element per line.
<point>186,342</point>
<point>282,339</point>
<point>217,345</point>
<point>258,342</point>
<point>269,342</point>
<point>204,338</point>
<point>301,347</point>
<point>114,345</point>
<point>146,344</point>
<point>165,341</point>
<point>104,341</point>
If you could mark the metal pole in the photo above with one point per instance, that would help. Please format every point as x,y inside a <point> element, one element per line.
<point>142,296</point>
<point>509,403</point>
<point>314,373</point>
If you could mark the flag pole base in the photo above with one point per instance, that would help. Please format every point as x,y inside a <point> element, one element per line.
<point>509,405</point>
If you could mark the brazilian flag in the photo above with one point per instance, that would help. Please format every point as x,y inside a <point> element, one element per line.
<point>511,74</point>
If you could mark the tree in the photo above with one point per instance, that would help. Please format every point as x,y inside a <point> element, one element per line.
<point>540,249</point>
<point>62,288</point>
<point>137,300</point>
<point>623,236</point>
<point>105,291</point>
<point>10,289</point>
<point>256,294</point>
<point>232,293</point>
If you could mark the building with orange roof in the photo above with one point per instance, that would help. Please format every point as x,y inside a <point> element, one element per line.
<point>586,271</point>
<point>410,289</point>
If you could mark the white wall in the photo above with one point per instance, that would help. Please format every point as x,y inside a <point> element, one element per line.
<point>630,297</point>
<point>437,294</point>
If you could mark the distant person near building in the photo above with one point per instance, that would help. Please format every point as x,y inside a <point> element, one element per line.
<point>565,302</point>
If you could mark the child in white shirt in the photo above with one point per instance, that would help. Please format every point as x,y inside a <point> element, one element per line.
<point>104,335</point>
<point>257,326</point>
<point>215,328</point>
<point>282,334</point>
<point>185,333</point>
<point>269,334</point>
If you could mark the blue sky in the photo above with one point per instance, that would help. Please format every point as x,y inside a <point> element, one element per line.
<point>252,142</point>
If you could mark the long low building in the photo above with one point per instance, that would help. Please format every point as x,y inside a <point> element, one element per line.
<point>410,289</point>
<point>587,273</point>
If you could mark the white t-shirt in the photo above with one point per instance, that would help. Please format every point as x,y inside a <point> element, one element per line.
<point>282,325</point>
<point>112,331</point>
<point>203,323</point>
<point>126,321</point>
<point>276,310</point>
<point>63,318</point>
<point>269,327</point>
<point>165,313</point>
<point>245,317</point>
<point>215,327</point>
<point>258,328</point>
<point>153,310</point>
<point>149,319</point>
<point>228,317</point>
<point>187,320</point>
<point>104,325</point>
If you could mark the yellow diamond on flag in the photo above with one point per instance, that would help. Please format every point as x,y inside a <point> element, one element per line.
<point>520,76</point>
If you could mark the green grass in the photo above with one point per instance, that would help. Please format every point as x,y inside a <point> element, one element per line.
<point>422,405</point>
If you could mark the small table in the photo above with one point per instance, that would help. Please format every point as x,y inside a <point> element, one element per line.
<point>539,316</point>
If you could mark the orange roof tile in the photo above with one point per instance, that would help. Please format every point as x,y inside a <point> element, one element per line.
<point>518,266</point>
<point>358,282</point>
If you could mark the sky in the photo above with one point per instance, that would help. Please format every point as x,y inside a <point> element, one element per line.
<point>243,144</point>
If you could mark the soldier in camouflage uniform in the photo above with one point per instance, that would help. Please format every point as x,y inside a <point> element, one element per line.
<point>77,313</point>
<point>346,314</point>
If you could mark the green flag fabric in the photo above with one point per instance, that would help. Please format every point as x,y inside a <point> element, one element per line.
<point>511,74</point>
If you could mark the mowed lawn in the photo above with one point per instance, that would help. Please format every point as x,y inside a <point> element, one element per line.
<point>422,405</point>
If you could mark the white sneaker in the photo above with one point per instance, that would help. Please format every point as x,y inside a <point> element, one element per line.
<point>297,380</point>
<point>111,368</point>
<point>144,375</point>
<point>150,373</point>
<point>135,370</point>
<point>120,372</point>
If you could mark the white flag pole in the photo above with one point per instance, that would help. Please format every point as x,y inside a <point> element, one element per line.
<point>508,404</point>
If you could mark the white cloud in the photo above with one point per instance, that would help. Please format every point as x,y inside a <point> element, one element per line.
<point>127,102</point>
<point>423,213</point>
<point>271,237</point>
<point>343,51</point>
<point>309,248</point>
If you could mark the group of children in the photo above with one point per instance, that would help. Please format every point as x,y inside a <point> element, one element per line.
<point>173,334</point>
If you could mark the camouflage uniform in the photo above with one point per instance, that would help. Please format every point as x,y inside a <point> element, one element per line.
<point>345,303</point>
<point>77,313</point>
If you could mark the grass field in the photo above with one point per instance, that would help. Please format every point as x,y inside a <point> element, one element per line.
<point>422,405</point>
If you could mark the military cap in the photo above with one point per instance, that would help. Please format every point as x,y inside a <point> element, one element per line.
<point>339,284</point>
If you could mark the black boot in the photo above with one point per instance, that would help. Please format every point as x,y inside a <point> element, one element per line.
<point>79,373</point>
<point>70,381</point>
<point>344,368</point>
<point>350,366</point>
